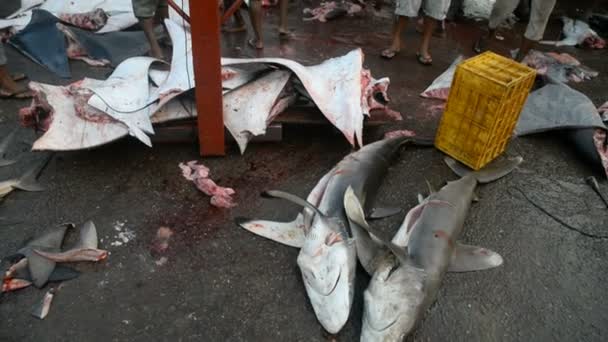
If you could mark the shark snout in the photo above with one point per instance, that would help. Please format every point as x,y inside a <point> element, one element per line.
<point>329,279</point>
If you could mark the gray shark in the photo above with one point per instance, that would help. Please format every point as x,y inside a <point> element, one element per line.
<point>408,270</point>
<point>328,256</point>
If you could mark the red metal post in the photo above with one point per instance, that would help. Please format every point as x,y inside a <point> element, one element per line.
<point>230,11</point>
<point>179,11</point>
<point>205,23</point>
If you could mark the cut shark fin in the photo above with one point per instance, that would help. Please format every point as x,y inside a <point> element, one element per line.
<point>382,212</point>
<point>41,268</point>
<point>88,236</point>
<point>28,181</point>
<point>468,258</point>
<point>41,309</point>
<point>3,147</point>
<point>84,250</point>
<point>287,233</point>
<point>60,273</point>
<point>491,172</point>
<point>420,198</point>
<point>354,211</point>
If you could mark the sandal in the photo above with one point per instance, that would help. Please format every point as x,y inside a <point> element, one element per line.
<point>427,61</point>
<point>18,77</point>
<point>389,53</point>
<point>254,43</point>
<point>20,94</point>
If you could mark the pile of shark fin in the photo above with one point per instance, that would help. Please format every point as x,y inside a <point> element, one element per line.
<point>36,262</point>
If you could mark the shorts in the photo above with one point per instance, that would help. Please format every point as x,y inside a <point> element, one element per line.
<point>147,8</point>
<point>2,55</point>
<point>539,16</point>
<point>436,9</point>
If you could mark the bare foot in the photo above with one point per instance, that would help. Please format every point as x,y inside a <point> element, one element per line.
<point>8,86</point>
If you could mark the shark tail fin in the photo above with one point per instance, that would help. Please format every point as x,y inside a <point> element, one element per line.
<point>28,182</point>
<point>491,172</point>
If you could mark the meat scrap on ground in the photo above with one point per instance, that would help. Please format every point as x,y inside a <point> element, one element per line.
<point>221,197</point>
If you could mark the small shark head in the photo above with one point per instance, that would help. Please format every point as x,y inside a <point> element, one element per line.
<point>393,301</point>
<point>327,261</point>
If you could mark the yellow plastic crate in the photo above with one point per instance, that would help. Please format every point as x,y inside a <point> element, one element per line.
<point>487,95</point>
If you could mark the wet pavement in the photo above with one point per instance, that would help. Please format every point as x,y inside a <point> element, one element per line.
<point>221,283</point>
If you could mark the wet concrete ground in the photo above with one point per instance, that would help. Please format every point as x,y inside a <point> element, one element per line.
<point>221,283</point>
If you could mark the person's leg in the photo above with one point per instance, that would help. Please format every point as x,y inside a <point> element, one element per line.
<point>398,26</point>
<point>144,11</point>
<point>283,5</point>
<point>434,11</point>
<point>255,14</point>
<point>424,56</point>
<point>8,87</point>
<point>404,9</point>
<point>501,10</point>
<point>539,17</point>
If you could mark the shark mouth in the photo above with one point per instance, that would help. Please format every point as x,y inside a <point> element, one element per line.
<point>324,294</point>
<point>388,326</point>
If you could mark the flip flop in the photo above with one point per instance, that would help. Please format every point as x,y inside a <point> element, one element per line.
<point>20,94</point>
<point>285,35</point>
<point>480,45</point>
<point>389,53</point>
<point>252,43</point>
<point>424,60</point>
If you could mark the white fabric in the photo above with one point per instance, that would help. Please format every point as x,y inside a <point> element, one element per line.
<point>436,9</point>
<point>539,16</point>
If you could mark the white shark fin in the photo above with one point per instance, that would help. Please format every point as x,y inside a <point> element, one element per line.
<point>287,233</point>
<point>468,258</point>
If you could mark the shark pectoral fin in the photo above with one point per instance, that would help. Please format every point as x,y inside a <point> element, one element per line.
<point>354,211</point>
<point>468,258</point>
<point>383,212</point>
<point>287,233</point>
<point>353,208</point>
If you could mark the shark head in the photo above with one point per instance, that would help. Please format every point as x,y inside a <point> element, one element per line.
<point>393,301</point>
<point>328,262</point>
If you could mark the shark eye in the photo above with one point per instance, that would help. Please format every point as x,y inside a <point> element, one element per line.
<point>332,238</point>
